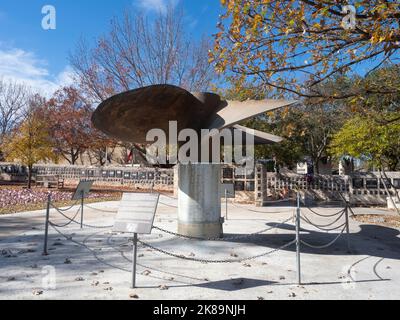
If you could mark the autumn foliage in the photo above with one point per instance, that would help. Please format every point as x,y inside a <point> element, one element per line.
<point>293,46</point>
<point>31,141</point>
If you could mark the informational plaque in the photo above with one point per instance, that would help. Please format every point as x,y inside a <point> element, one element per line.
<point>228,190</point>
<point>136,213</point>
<point>302,168</point>
<point>82,190</point>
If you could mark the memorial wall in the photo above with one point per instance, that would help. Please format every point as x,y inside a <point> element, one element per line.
<point>257,185</point>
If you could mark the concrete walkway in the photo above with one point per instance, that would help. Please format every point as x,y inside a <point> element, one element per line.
<point>96,263</point>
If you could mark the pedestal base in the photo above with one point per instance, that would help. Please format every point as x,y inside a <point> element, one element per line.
<point>201,230</point>
<point>199,200</point>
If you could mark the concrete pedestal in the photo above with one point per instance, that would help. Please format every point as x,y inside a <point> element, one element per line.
<point>199,200</point>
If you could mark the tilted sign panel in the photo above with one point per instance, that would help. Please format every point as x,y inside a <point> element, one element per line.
<point>82,190</point>
<point>229,188</point>
<point>136,213</point>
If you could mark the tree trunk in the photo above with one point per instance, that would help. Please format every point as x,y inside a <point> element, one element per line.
<point>316,165</point>
<point>73,159</point>
<point>30,177</point>
<point>317,168</point>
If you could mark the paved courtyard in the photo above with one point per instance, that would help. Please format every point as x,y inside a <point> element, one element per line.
<point>95,263</point>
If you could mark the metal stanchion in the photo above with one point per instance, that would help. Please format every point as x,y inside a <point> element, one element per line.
<point>226,205</point>
<point>347,228</point>
<point>46,232</point>
<point>298,239</point>
<point>134,257</point>
<point>82,203</point>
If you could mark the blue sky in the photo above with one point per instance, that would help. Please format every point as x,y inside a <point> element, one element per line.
<point>40,58</point>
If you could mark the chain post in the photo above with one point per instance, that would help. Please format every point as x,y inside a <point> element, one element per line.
<point>134,258</point>
<point>298,212</point>
<point>347,228</point>
<point>46,232</point>
<point>82,203</point>
<point>226,205</point>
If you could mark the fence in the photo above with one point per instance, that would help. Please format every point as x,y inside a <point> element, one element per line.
<point>257,186</point>
<point>340,224</point>
<point>358,189</point>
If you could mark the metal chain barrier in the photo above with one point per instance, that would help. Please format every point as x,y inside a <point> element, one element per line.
<point>329,229</point>
<point>305,219</point>
<point>95,227</point>
<point>279,201</point>
<point>69,222</point>
<point>223,239</point>
<point>325,215</point>
<point>101,210</point>
<point>72,220</point>
<point>174,255</point>
<point>344,200</point>
<point>326,245</point>
<point>64,210</point>
<point>257,211</point>
<point>297,241</point>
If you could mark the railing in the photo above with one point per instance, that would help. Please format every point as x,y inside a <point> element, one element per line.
<point>338,223</point>
<point>258,185</point>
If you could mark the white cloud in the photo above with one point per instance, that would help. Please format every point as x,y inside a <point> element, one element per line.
<point>24,67</point>
<point>155,5</point>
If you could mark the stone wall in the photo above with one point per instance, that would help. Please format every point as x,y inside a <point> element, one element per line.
<point>131,177</point>
<point>256,186</point>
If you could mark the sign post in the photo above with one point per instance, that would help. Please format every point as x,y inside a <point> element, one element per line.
<point>81,192</point>
<point>298,239</point>
<point>46,232</point>
<point>227,191</point>
<point>82,199</point>
<point>136,215</point>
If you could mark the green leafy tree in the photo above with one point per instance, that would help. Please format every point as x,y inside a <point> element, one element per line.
<point>371,140</point>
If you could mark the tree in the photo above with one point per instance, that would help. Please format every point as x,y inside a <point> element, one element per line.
<point>306,129</point>
<point>31,142</point>
<point>295,45</point>
<point>70,123</point>
<point>371,140</point>
<point>381,108</point>
<point>138,52</point>
<point>13,101</point>
<point>316,124</point>
<point>101,147</point>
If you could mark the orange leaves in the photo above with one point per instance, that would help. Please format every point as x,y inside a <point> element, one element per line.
<point>257,22</point>
<point>282,43</point>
